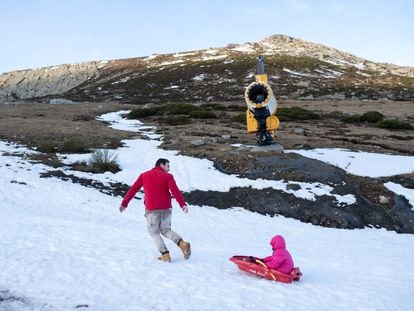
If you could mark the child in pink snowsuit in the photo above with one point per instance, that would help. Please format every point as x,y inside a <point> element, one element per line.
<point>280,260</point>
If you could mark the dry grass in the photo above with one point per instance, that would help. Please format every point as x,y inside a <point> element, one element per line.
<point>49,126</point>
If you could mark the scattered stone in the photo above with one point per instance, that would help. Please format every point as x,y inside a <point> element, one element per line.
<point>198,142</point>
<point>383,200</point>
<point>299,131</point>
<point>61,101</point>
<point>225,136</point>
<point>148,105</point>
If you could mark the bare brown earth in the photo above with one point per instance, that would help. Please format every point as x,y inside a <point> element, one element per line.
<point>35,123</point>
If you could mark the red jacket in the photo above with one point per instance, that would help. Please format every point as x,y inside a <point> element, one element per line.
<point>158,187</point>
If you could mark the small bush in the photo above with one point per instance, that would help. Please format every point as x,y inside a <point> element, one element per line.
<point>372,117</point>
<point>234,107</point>
<point>179,108</point>
<point>295,113</point>
<point>103,160</point>
<point>55,162</point>
<point>75,144</point>
<point>213,106</point>
<point>394,124</point>
<point>145,112</point>
<point>202,114</point>
<point>238,118</point>
<point>46,147</point>
<point>175,120</point>
<point>355,118</point>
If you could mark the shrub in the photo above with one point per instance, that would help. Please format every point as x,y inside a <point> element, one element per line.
<point>295,113</point>
<point>238,118</point>
<point>372,117</point>
<point>46,147</point>
<point>145,112</point>
<point>179,108</point>
<point>55,162</point>
<point>394,124</point>
<point>234,107</point>
<point>175,120</point>
<point>75,144</point>
<point>202,114</point>
<point>103,160</point>
<point>352,118</point>
<point>213,106</point>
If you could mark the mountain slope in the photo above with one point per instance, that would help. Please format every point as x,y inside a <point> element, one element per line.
<point>66,246</point>
<point>296,69</point>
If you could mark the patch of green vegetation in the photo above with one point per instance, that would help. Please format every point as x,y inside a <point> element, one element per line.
<point>104,160</point>
<point>74,145</point>
<point>46,147</point>
<point>238,118</point>
<point>175,120</point>
<point>296,113</point>
<point>234,107</point>
<point>369,117</point>
<point>213,106</point>
<point>179,109</point>
<point>145,112</point>
<point>394,124</point>
<point>55,162</point>
<point>355,118</point>
<point>202,114</point>
<point>372,117</point>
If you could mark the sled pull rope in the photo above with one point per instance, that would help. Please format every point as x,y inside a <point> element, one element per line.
<point>267,269</point>
<point>208,233</point>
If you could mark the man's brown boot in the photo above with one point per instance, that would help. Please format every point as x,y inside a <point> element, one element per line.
<point>165,256</point>
<point>185,248</point>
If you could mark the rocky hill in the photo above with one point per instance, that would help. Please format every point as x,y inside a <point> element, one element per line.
<point>297,69</point>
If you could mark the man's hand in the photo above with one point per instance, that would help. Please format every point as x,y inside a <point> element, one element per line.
<point>122,208</point>
<point>184,208</point>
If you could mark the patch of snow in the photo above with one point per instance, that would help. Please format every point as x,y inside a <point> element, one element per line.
<point>212,51</point>
<point>172,87</point>
<point>329,73</point>
<point>246,48</point>
<point>200,77</point>
<point>123,80</point>
<point>151,57</point>
<point>363,74</point>
<point>178,61</point>
<point>184,54</point>
<point>296,73</point>
<point>362,163</point>
<point>406,192</point>
<point>214,57</point>
<point>356,65</point>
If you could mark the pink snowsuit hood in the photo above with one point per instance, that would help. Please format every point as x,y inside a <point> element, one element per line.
<point>278,242</point>
<point>281,260</point>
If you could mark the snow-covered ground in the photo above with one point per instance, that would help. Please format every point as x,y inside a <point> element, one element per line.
<point>65,246</point>
<point>367,164</point>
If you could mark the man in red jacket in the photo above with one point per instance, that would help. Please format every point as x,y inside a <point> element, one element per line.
<point>158,186</point>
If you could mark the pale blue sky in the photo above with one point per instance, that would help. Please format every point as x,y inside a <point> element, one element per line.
<point>50,32</point>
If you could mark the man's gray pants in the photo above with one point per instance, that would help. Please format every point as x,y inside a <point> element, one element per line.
<point>159,222</point>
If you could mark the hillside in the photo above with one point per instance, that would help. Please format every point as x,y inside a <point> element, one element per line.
<point>66,246</point>
<point>297,69</point>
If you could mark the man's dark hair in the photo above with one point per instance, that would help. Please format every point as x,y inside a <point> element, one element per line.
<point>161,161</point>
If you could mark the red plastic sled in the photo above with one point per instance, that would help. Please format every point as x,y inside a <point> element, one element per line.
<point>251,265</point>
